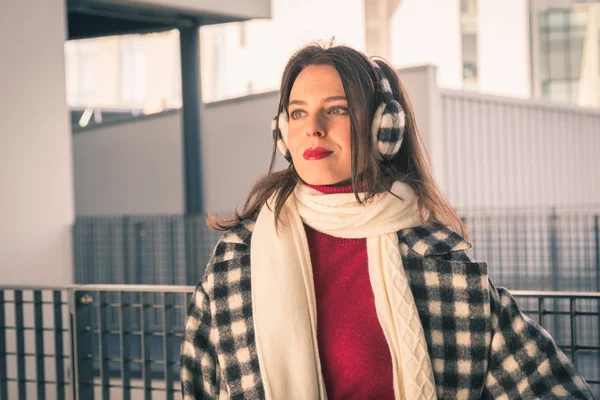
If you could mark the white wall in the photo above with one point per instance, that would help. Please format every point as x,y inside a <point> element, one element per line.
<point>503,153</point>
<point>130,168</point>
<point>503,47</point>
<point>36,183</point>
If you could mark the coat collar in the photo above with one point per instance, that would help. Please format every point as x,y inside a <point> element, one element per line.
<point>431,239</point>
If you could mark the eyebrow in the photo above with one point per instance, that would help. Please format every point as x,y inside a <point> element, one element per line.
<point>327,100</point>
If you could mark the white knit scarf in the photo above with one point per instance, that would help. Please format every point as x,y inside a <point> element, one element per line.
<point>283,297</point>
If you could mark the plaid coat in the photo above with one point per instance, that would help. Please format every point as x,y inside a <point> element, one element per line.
<point>480,344</point>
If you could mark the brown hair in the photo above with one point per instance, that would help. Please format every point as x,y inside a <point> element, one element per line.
<point>361,85</point>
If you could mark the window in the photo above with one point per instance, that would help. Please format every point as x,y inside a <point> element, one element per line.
<point>562,40</point>
<point>127,74</point>
<point>132,57</point>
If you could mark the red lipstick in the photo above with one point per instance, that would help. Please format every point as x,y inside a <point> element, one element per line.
<point>316,153</point>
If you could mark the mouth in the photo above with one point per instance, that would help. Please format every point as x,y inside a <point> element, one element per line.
<point>316,153</point>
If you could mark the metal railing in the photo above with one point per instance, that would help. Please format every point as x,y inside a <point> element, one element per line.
<point>122,341</point>
<point>573,320</point>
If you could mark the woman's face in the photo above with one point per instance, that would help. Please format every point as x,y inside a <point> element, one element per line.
<point>319,126</point>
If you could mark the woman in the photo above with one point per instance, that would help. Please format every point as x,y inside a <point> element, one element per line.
<point>345,276</point>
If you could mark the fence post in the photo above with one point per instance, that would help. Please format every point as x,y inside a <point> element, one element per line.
<point>597,239</point>
<point>554,264</point>
<point>553,238</point>
<point>3,368</point>
<point>83,359</point>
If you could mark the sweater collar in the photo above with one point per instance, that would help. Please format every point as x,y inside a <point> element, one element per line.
<point>345,187</point>
<point>330,189</point>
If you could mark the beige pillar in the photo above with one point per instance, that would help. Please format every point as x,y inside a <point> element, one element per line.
<point>378,14</point>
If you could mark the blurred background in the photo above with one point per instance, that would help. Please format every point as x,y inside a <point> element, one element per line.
<point>122,123</point>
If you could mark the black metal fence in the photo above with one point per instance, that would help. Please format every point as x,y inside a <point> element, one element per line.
<point>122,341</point>
<point>538,249</point>
<point>158,250</point>
<point>525,249</point>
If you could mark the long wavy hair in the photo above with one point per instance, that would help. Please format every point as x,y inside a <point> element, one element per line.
<point>411,165</point>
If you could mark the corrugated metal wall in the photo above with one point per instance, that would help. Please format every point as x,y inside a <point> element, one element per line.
<point>505,153</point>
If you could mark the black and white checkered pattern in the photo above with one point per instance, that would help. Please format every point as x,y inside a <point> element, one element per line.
<point>389,121</point>
<point>279,127</point>
<point>480,344</point>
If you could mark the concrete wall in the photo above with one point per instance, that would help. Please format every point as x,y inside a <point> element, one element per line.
<point>130,168</point>
<point>36,183</point>
<point>236,148</point>
<point>136,168</point>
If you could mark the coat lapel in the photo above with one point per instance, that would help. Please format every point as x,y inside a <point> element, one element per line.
<point>452,299</point>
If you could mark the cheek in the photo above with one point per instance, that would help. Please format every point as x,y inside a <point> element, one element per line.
<point>343,137</point>
<point>293,140</point>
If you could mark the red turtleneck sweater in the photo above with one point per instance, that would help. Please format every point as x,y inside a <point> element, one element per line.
<point>355,357</point>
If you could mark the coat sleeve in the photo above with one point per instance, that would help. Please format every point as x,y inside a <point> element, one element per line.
<point>524,361</point>
<point>200,372</point>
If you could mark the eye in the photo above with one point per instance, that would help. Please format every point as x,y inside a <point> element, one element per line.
<point>297,114</point>
<point>338,110</point>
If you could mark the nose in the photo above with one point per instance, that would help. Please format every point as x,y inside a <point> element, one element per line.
<point>314,126</point>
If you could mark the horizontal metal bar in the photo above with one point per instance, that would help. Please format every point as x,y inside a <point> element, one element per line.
<point>158,389</point>
<point>578,348</point>
<point>64,303</point>
<point>36,381</point>
<point>556,295</point>
<point>112,288</point>
<point>136,333</point>
<point>31,328</point>
<point>12,353</point>
<point>129,332</point>
<point>135,360</point>
<point>135,305</point>
<point>138,305</point>
<point>190,289</point>
<point>578,313</point>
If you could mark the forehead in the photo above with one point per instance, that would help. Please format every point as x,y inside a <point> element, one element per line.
<point>318,81</point>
